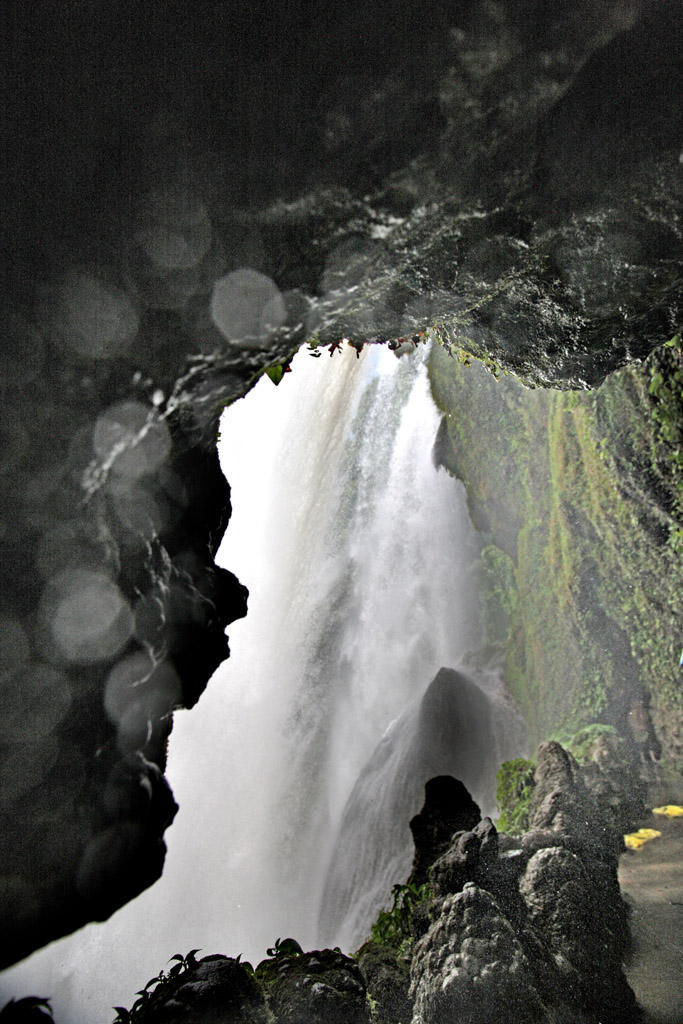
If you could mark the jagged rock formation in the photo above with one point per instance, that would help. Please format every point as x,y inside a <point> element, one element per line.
<point>447,807</point>
<point>387,983</point>
<point>531,928</point>
<point>188,196</point>
<point>470,967</point>
<point>320,987</point>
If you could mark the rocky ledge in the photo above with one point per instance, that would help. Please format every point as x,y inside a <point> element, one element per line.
<point>497,930</point>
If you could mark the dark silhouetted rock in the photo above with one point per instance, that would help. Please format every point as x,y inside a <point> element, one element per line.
<point>320,987</point>
<point>219,990</point>
<point>30,1010</point>
<point>448,808</point>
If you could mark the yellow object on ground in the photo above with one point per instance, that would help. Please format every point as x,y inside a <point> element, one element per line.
<point>671,811</point>
<point>634,840</point>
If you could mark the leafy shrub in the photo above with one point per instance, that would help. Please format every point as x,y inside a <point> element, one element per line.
<point>30,1010</point>
<point>288,947</point>
<point>515,784</point>
<point>582,742</point>
<point>394,928</point>
<point>154,987</point>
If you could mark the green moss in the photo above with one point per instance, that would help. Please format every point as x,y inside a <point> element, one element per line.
<point>579,497</point>
<point>498,594</point>
<point>582,743</point>
<point>515,784</point>
<point>393,928</point>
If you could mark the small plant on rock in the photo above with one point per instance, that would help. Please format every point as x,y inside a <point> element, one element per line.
<point>154,987</point>
<point>289,947</point>
<point>394,927</point>
<point>30,1010</point>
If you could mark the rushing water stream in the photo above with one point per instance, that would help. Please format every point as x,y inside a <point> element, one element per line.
<point>300,767</point>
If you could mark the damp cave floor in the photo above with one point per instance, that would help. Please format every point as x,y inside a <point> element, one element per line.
<point>651,881</point>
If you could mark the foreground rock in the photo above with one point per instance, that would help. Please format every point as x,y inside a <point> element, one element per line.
<point>509,929</point>
<point>530,929</point>
<point>217,990</point>
<point>471,968</point>
<point>321,987</point>
<point>387,983</point>
<point>447,807</point>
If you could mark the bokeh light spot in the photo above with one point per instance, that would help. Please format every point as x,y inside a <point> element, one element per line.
<point>171,248</point>
<point>93,318</point>
<point>137,682</point>
<point>88,617</point>
<point>35,701</point>
<point>133,438</point>
<point>247,307</point>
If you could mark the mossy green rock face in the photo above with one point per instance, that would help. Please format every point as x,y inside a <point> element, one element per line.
<point>320,987</point>
<point>578,496</point>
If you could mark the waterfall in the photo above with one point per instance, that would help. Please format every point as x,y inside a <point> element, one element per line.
<point>359,557</point>
<point>372,550</point>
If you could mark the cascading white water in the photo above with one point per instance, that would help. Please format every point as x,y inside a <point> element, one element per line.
<point>371,548</point>
<point>358,555</point>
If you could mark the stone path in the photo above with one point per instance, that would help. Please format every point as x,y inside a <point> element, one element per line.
<point>652,882</point>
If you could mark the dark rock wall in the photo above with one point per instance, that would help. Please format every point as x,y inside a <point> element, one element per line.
<point>509,172</point>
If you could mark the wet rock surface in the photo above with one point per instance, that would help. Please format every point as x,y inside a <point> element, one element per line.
<point>538,920</point>
<point>471,967</point>
<point>218,990</point>
<point>320,987</point>
<point>187,199</point>
<point>387,983</point>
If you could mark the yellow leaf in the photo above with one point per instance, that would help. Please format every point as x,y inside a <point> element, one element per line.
<point>670,810</point>
<point>634,840</point>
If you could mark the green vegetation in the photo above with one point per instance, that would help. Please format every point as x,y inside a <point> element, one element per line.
<point>666,391</point>
<point>514,786</point>
<point>394,928</point>
<point>582,744</point>
<point>159,985</point>
<point>276,372</point>
<point>285,947</point>
<point>499,594</point>
<point>579,499</point>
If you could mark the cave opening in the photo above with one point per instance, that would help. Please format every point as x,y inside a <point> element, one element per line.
<point>362,565</point>
<point>510,176</point>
